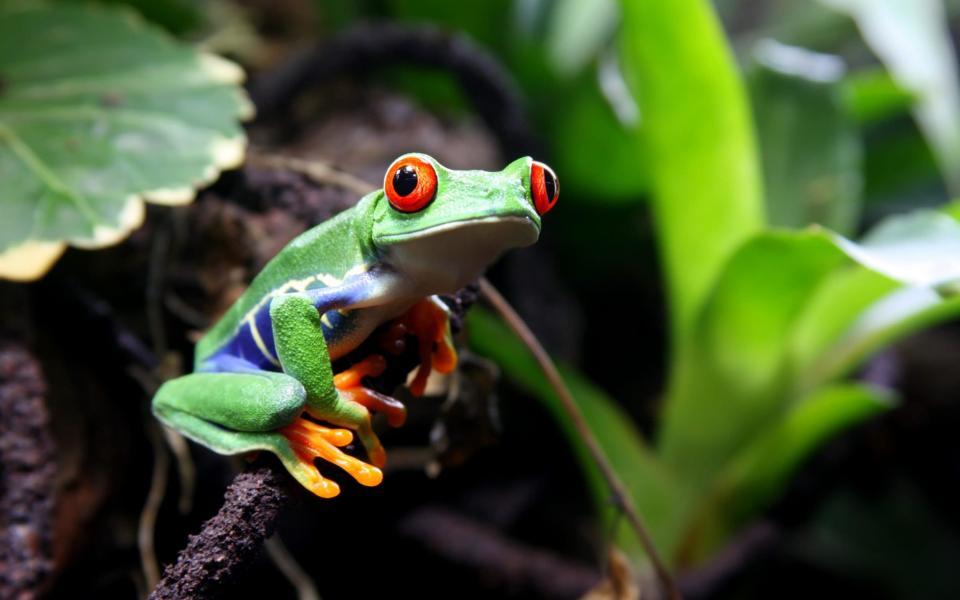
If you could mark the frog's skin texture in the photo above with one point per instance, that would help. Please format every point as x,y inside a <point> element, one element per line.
<point>262,376</point>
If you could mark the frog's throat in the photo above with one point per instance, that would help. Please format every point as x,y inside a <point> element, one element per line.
<point>447,257</point>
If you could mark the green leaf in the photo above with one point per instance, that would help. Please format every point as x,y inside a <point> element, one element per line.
<point>732,375</point>
<point>759,472</point>
<point>900,164</point>
<point>657,496</point>
<point>912,39</point>
<point>836,304</point>
<point>99,112</point>
<point>697,138</point>
<point>577,32</point>
<point>896,315</point>
<point>811,148</point>
<point>872,95</point>
<point>593,151</point>
<point>752,340</point>
<point>176,16</point>
<point>921,248</point>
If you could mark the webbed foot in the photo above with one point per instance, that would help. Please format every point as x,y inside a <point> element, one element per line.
<point>310,441</point>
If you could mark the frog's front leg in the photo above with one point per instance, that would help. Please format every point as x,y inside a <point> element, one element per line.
<point>303,355</point>
<point>428,320</point>
<point>234,413</point>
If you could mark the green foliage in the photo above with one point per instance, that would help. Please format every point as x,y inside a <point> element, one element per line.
<point>811,147</point>
<point>94,120</point>
<point>698,141</point>
<point>913,41</point>
<point>768,324</point>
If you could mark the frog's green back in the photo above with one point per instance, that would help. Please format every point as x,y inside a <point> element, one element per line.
<point>319,257</point>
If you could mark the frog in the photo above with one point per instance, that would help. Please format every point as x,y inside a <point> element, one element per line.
<point>263,376</point>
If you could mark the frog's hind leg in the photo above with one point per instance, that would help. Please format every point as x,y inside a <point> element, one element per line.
<point>233,413</point>
<point>303,355</point>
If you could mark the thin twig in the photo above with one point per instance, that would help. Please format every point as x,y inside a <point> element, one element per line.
<point>622,497</point>
<point>186,470</point>
<point>298,578</point>
<point>148,516</point>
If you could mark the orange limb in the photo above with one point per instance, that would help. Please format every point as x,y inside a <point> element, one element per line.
<point>348,382</point>
<point>394,409</point>
<point>310,441</point>
<point>371,366</point>
<point>430,324</point>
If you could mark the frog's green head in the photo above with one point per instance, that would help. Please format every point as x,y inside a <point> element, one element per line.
<point>447,226</point>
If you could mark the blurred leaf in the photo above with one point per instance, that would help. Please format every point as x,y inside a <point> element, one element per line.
<point>657,496</point>
<point>758,473</point>
<point>176,16</point>
<point>99,112</point>
<point>898,314</point>
<point>811,148</point>
<point>804,24</point>
<point>738,374</point>
<point>921,248</point>
<point>837,303</point>
<point>732,380</point>
<point>595,155</point>
<point>578,31</point>
<point>901,170</point>
<point>912,39</point>
<point>698,141</point>
<point>873,95</point>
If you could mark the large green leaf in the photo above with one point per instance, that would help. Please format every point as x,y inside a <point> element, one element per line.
<point>732,377</point>
<point>912,39</point>
<point>594,153</point>
<point>99,112</point>
<point>755,341</point>
<point>810,145</point>
<point>656,494</point>
<point>697,137</point>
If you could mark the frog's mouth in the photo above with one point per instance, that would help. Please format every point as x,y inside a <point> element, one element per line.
<point>451,255</point>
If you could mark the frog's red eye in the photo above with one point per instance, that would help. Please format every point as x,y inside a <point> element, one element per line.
<point>544,186</point>
<point>410,184</point>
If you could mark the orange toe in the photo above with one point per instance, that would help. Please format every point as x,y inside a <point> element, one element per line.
<point>310,441</point>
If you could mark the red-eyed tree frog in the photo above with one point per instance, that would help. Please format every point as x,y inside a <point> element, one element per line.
<point>263,378</point>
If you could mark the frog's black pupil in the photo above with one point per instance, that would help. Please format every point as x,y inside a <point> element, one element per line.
<point>405,180</point>
<point>550,184</point>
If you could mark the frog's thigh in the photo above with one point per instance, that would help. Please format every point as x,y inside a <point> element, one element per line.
<point>246,402</point>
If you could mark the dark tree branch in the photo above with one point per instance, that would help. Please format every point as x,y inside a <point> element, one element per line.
<point>230,540</point>
<point>27,476</point>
